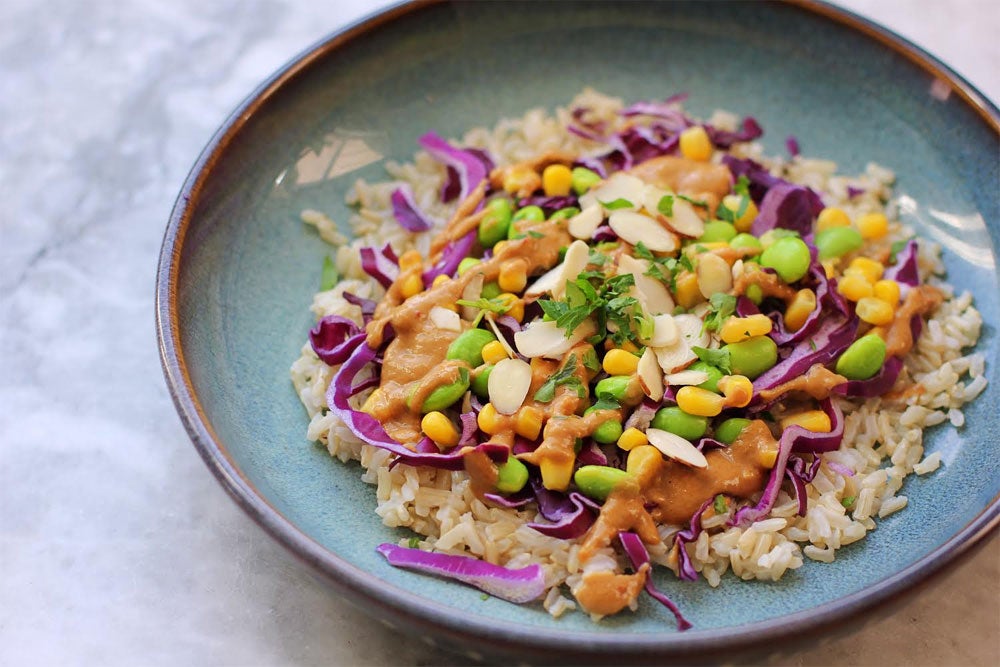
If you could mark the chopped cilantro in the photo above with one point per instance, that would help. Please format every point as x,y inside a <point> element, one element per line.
<point>694,202</point>
<point>723,305</point>
<point>896,248</point>
<point>719,504</point>
<point>717,358</point>
<point>812,344</point>
<point>742,186</point>
<point>616,204</point>
<point>608,302</point>
<point>666,205</point>
<point>564,376</point>
<point>484,596</point>
<point>597,258</point>
<point>729,215</point>
<point>606,401</point>
<point>329,277</point>
<point>847,502</point>
<point>536,235</point>
<point>498,306</point>
<point>413,542</point>
<point>590,361</point>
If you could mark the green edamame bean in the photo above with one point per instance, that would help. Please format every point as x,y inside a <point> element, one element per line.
<point>717,230</point>
<point>863,359</point>
<point>752,357</point>
<point>616,385</point>
<point>532,213</point>
<point>714,375</point>
<point>745,240</point>
<point>582,179</point>
<point>446,395</point>
<point>469,346</point>
<point>789,257</point>
<point>512,475</point>
<point>495,223</point>
<point>598,482</point>
<point>467,264</point>
<point>606,432</point>
<point>755,293</point>
<point>564,213</point>
<point>678,422</point>
<point>838,241</point>
<point>768,238</point>
<point>491,290</point>
<point>481,380</point>
<point>729,430</point>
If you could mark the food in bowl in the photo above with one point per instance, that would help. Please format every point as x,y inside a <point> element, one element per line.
<point>575,346</point>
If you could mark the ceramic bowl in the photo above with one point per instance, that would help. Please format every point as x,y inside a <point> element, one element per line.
<point>238,270</point>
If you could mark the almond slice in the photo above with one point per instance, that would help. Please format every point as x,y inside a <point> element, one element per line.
<point>714,275</point>
<point>544,339</point>
<point>673,446</point>
<point>473,290</point>
<point>665,332</point>
<point>675,357</point>
<point>575,262</point>
<point>500,339</point>
<point>618,186</point>
<point>690,327</point>
<point>445,319</point>
<point>508,385</point>
<point>683,378</point>
<point>651,293</point>
<point>583,224</point>
<point>634,227</point>
<point>685,220</point>
<point>650,375</point>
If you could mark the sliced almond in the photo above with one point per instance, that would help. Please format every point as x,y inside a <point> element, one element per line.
<point>545,282</point>
<point>690,327</point>
<point>651,199</point>
<point>675,357</point>
<point>651,293</point>
<point>575,262</point>
<point>674,446</point>
<point>684,219</point>
<point>714,275</point>
<point>583,224</point>
<point>737,269</point>
<point>473,290</point>
<point>684,378</point>
<point>445,319</point>
<point>618,186</point>
<point>500,338</point>
<point>665,332</point>
<point>508,385</point>
<point>650,375</point>
<point>544,339</point>
<point>634,227</point>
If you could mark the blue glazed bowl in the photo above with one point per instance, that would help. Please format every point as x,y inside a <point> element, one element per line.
<point>238,269</point>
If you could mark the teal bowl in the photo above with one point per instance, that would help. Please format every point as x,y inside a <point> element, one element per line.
<point>238,270</point>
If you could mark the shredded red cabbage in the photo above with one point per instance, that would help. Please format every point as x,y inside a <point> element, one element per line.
<point>799,476</point>
<point>515,501</point>
<point>333,339</point>
<point>834,336</point>
<point>787,206</point>
<point>367,306</point>
<point>452,185</point>
<point>407,213</point>
<point>690,535</point>
<point>824,296</point>
<point>708,444</point>
<point>667,110</point>
<point>643,415</point>
<point>761,180</point>
<point>853,192</point>
<point>451,257</point>
<point>468,166</point>
<point>382,264</point>
<point>604,233</point>
<point>792,144</point>
<point>591,455</point>
<point>905,271</point>
<point>812,442</point>
<point>877,385</point>
<point>571,514</point>
<point>749,130</point>
<point>548,204</point>
<point>470,428</point>
<point>638,556</point>
<point>518,586</point>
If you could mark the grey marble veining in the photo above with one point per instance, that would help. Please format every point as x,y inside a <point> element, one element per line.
<point>116,545</point>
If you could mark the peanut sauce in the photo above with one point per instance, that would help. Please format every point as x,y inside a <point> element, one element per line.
<point>919,301</point>
<point>700,180</point>
<point>818,382</point>
<point>603,592</point>
<point>769,283</point>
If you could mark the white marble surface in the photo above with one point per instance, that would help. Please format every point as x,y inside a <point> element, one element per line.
<point>117,547</point>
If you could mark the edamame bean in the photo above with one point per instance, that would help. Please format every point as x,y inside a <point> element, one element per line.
<point>529,213</point>
<point>512,475</point>
<point>752,357</point>
<point>717,230</point>
<point>678,422</point>
<point>769,237</point>
<point>838,241</point>
<point>447,394</point>
<point>480,381</point>
<point>745,240</point>
<point>491,290</point>
<point>564,213</point>
<point>467,264</point>
<point>729,430</point>
<point>755,293</point>
<point>617,386</point>
<point>606,432</point>
<point>714,375</point>
<point>493,227</point>
<point>863,359</point>
<point>598,482</point>
<point>789,257</point>
<point>468,347</point>
<point>582,179</point>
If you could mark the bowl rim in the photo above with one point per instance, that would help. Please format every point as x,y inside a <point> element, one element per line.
<point>417,613</point>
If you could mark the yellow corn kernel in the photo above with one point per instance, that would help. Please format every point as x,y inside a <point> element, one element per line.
<point>513,275</point>
<point>830,268</point>
<point>521,179</point>
<point>767,457</point>
<point>515,306</point>
<point>410,260</point>
<point>488,420</point>
<point>699,402</point>
<point>412,285</point>
<point>439,428</point>
<point>632,438</point>
<point>873,225</point>
<point>886,290</point>
<point>874,311</point>
<point>644,462</point>
<point>867,267</point>
<point>528,423</point>
<point>695,144</point>
<point>854,287</point>
<point>800,309</point>
<point>556,180</point>
<point>736,329</point>
<point>816,421</point>
<point>440,280</point>
<point>737,389</point>
<point>831,217</point>
<point>500,247</point>
<point>630,347</point>
<point>370,401</point>
<point>556,475</point>
<point>620,362</point>
<point>745,221</point>
<point>688,294</point>
<point>494,352</point>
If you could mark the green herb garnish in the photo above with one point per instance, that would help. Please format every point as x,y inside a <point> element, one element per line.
<point>897,248</point>
<point>694,202</point>
<point>330,276</point>
<point>847,502</point>
<point>565,376</point>
<point>536,235</point>
<point>616,204</point>
<point>719,504</point>
<point>666,205</point>
<point>723,305</point>
<point>607,301</point>
<point>606,401</point>
<point>717,358</point>
<point>590,361</point>
<point>413,542</point>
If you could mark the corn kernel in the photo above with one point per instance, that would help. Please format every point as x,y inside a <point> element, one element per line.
<point>556,475</point>
<point>410,260</point>
<point>494,352</point>
<point>370,401</point>
<point>854,287</point>
<point>874,311</point>
<point>413,285</point>
<point>869,268</point>
<point>873,225</point>
<point>513,275</point>
<point>439,428</point>
<point>644,462</point>
<point>745,221</point>
<point>515,306</point>
<point>830,268</point>
<point>816,421</point>
<point>767,457</point>
<point>440,280</point>
<point>500,247</point>
<point>799,310</point>
<point>737,389</point>
<point>620,362</point>
<point>488,420</point>
<point>632,438</point>
<point>699,402</point>
<point>528,423</point>
<point>688,294</point>
<point>630,347</point>
<point>831,217</point>
<point>556,180</point>
<point>887,290</point>
<point>521,179</point>
<point>736,329</point>
<point>695,144</point>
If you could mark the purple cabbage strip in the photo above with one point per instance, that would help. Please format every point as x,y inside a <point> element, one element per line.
<point>516,501</point>
<point>745,307</point>
<point>801,494</point>
<point>787,206</point>
<point>508,326</point>
<point>594,164</point>
<point>382,264</point>
<point>708,444</point>
<point>841,469</point>
<point>853,192</point>
<point>333,339</point>
<point>761,180</point>
<point>591,455</point>
<point>811,442</point>
<point>578,114</point>
<point>666,110</point>
<point>792,144</point>
<point>452,185</point>
<point>571,515</point>
<point>638,556</point>
<point>749,130</point>
<point>549,204</point>
<point>799,476</point>
<point>367,306</point>
<point>468,166</point>
<point>451,257</point>
<point>604,233</point>
<point>879,384</point>
<point>685,569</point>
<point>518,586</point>
<point>643,415</point>
<point>470,428</point>
<point>782,336</point>
<point>833,337</point>
<point>407,213</point>
<point>904,271</point>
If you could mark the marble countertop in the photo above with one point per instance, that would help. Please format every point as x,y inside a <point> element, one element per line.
<point>116,544</point>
